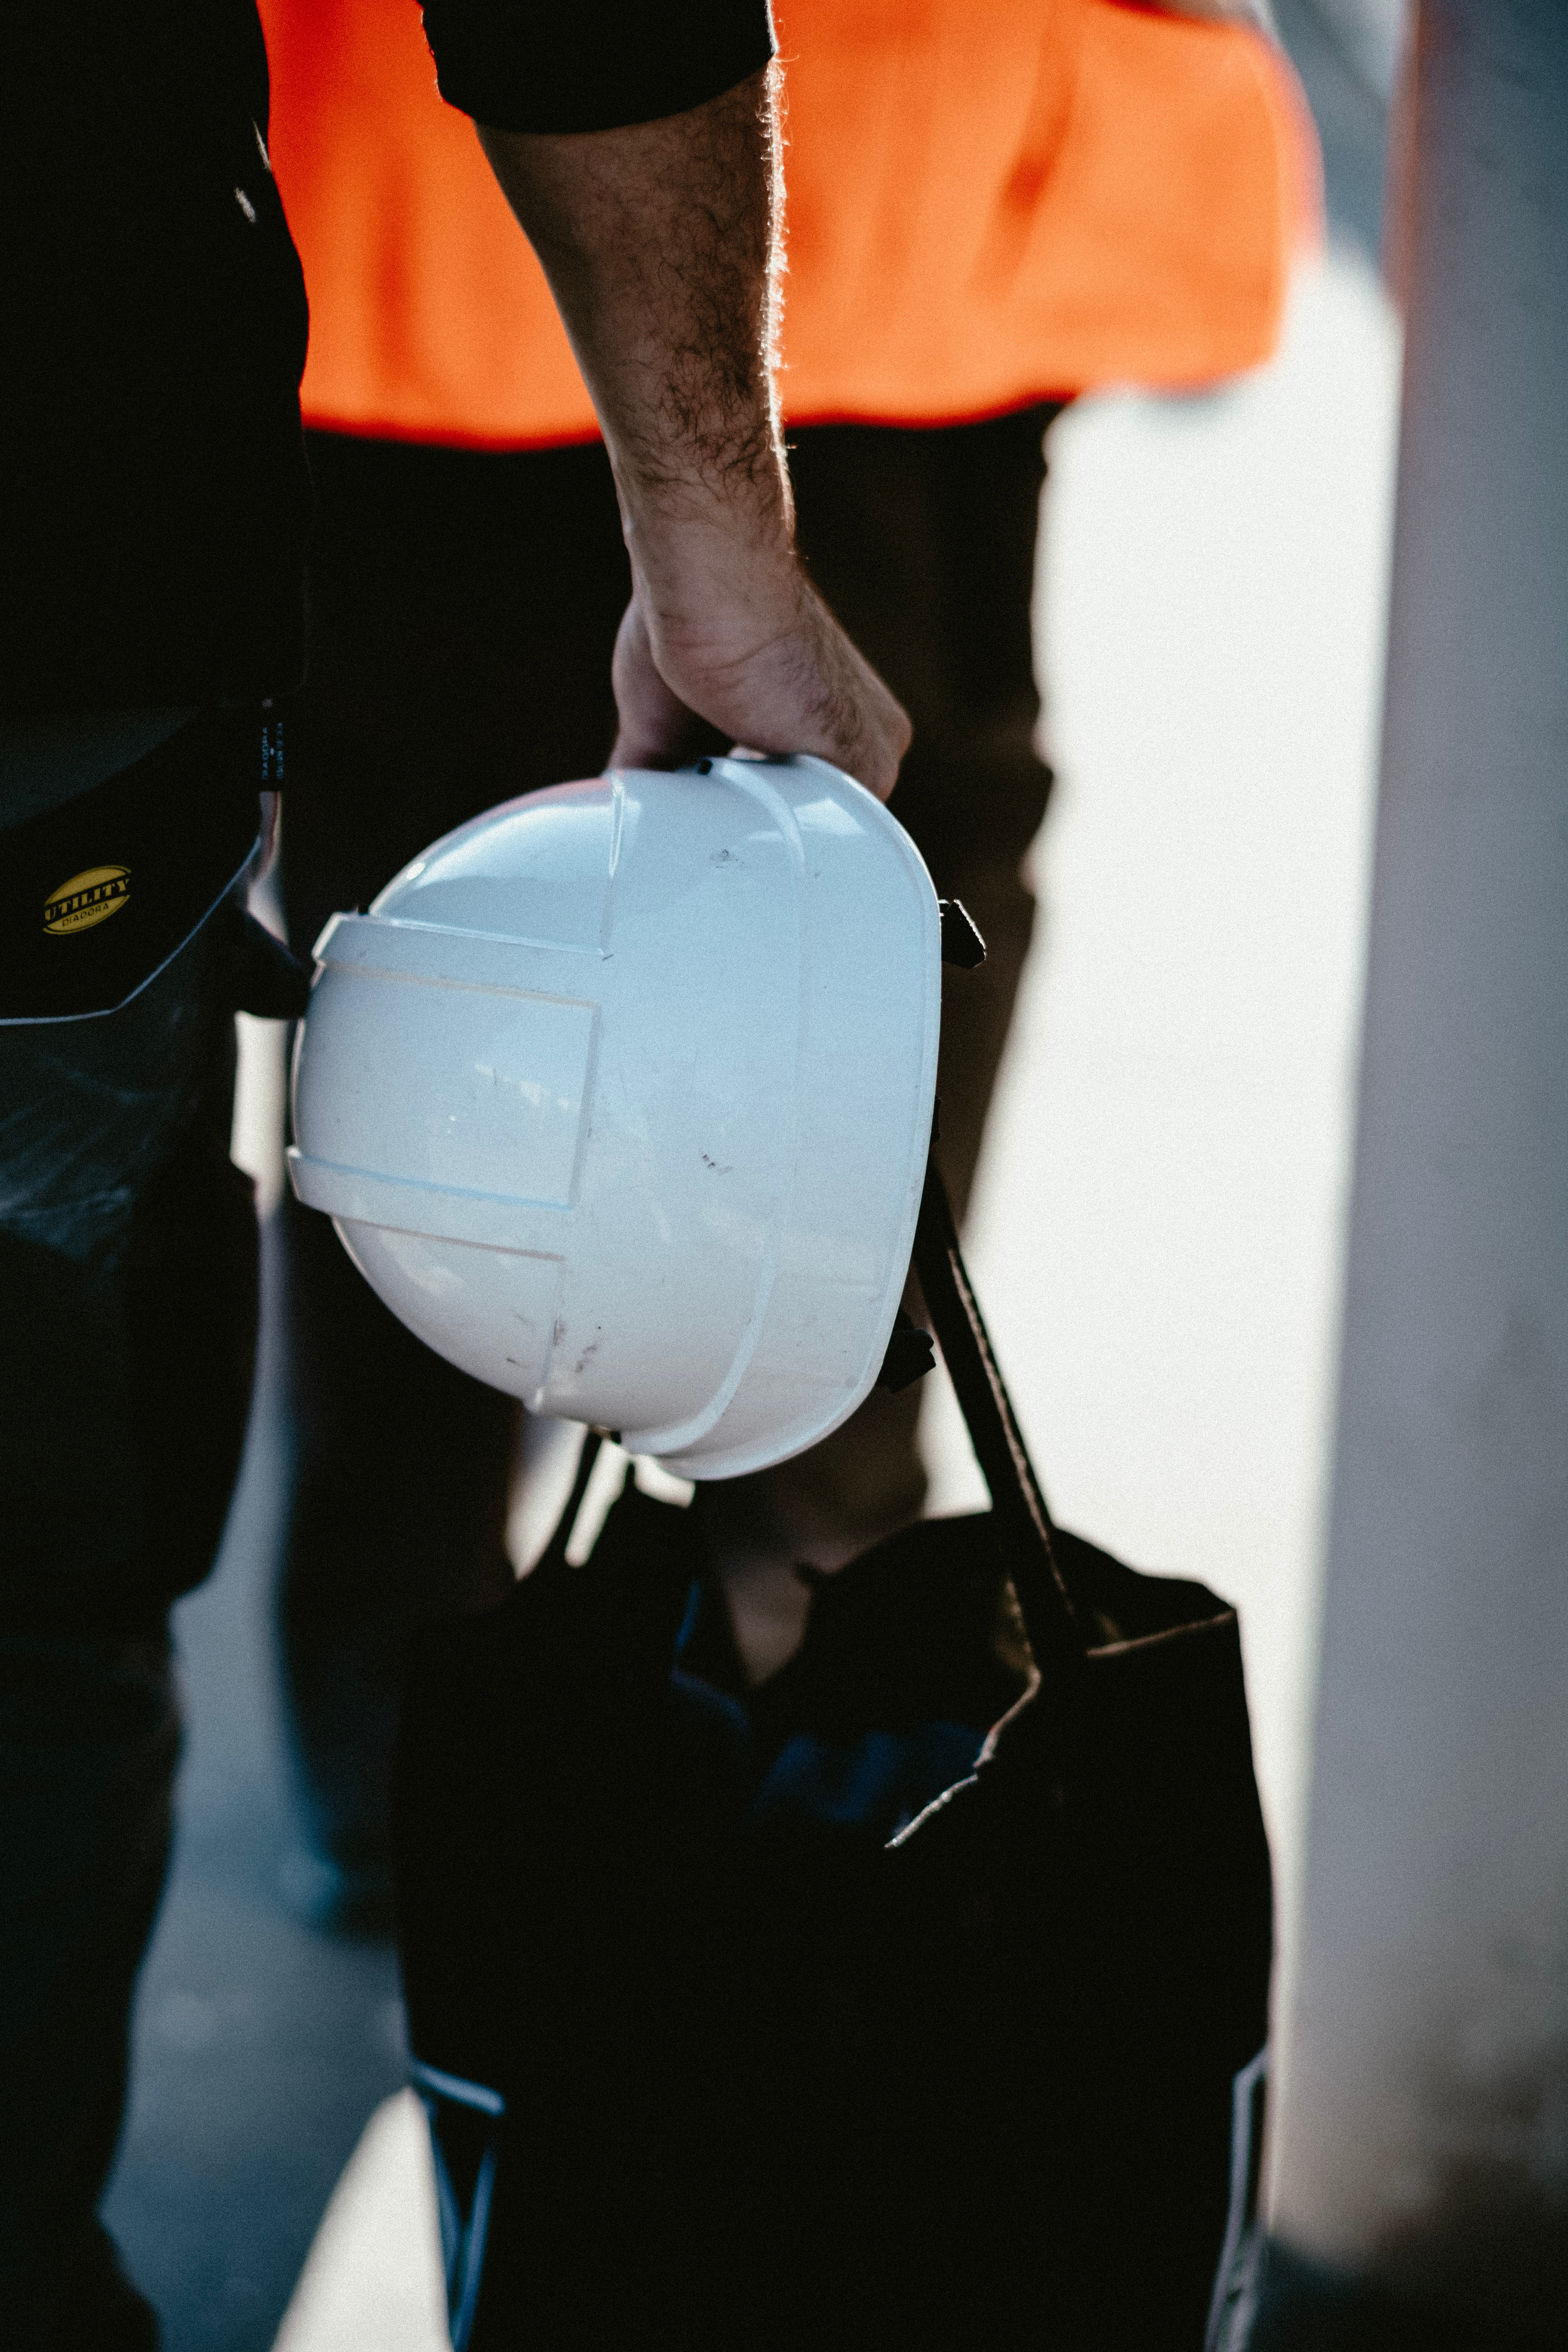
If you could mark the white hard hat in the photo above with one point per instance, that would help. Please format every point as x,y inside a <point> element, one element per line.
<point>620,1098</point>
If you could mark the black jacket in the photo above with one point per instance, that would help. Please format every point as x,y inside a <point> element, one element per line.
<point>157,501</point>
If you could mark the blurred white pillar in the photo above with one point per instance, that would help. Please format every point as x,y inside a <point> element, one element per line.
<point>1424,2142</point>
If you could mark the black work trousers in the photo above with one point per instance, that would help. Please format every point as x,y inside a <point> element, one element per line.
<point>127,1332</point>
<point>463,612</point>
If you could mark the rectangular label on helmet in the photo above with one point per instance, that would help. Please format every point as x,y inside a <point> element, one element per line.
<point>470,1090</point>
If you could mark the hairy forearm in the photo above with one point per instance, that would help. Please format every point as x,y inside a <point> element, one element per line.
<point>660,244</point>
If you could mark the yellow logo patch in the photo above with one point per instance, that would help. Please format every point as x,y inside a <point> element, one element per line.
<point>87,898</point>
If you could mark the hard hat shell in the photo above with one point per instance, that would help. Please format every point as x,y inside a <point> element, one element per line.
<point>620,1095</point>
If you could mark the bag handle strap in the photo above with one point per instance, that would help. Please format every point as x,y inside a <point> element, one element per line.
<point>554,1557</point>
<point>1052,1619</point>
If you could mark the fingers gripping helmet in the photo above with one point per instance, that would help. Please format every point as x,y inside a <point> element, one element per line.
<point>620,1097</point>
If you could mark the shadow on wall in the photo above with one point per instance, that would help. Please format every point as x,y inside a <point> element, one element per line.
<point>1347,53</point>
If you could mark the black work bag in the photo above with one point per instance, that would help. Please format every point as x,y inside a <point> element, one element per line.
<point>917,1999</point>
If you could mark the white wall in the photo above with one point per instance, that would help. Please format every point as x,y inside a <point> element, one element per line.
<point>1157,1232</point>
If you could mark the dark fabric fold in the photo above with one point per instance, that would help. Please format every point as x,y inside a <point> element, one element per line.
<point>517,65</point>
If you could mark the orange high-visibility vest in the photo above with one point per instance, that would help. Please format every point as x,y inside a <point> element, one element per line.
<point>989,202</point>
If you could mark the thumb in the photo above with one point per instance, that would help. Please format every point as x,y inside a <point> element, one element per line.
<point>655,728</point>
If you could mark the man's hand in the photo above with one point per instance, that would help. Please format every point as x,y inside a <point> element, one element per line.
<point>774,671</point>
<point>660,242</point>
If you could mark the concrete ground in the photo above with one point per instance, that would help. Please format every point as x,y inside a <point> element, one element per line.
<point>1156,1235</point>
<point>260,2046</point>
